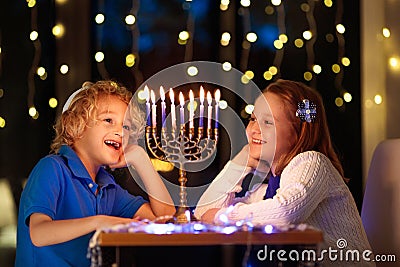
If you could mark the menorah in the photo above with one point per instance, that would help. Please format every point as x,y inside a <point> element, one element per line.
<point>181,147</point>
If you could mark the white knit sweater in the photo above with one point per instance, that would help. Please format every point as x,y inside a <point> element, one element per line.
<point>311,191</point>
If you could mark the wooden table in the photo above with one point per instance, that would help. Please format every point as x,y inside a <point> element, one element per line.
<point>303,239</point>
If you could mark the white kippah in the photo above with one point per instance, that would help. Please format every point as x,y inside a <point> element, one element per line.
<point>69,100</point>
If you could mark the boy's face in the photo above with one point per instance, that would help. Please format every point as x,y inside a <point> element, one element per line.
<point>101,143</point>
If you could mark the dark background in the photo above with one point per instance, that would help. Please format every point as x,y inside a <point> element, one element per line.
<point>24,140</point>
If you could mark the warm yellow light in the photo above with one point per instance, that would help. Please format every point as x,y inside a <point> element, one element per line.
<point>41,71</point>
<point>276,2</point>
<point>308,76</point>
<point>1,92</point>
<point>328,3</point>
<point>346,61</point>
<point>223,104</point>
<point>34,35</point>
<point>305,7</point>
<point>223,7</point>
<point>130,19</point>
<point>245,3</point>
<point>225,2</point>
<point>31,3</point>
<point>184,35</point>
<point>378,99</point>
<point>192,71</point>
<point>61,2</point>
<point>99,56</point>
<point>307,35</point>
<point>58,30</point>
<point>339,102</point>
<point>251,37</point>
<point>244,79</point>
<point>249,74</point>
<point>394,63</point>
<point>347,97</point>
<point>298,43</point>
<point>283,38</point>
<point>64,68</point>
<point>278,44</point>
<point>335,68</point>
<point>273,70</point>
<point>317,69</point>
<point>32,111</point>
<point>53,102</point>
<point>226,66</point>
<point>246,45</point>
<point>130,60</point>
<point>226,36</point>
<point>249,109</point>
<point>329,38</point>
<point>100,18</point>
<point>44,76</point>
<point>267,75</point>
<point>269,10</point>
<point>2,122</point>
<point>162,166</point>
<point>386,32</point>
<point>340,28</point>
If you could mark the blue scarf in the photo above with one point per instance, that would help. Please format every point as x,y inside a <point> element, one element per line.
<point>273,185</point>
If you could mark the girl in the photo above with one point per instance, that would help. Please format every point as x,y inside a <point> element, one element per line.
<point>306,182</point>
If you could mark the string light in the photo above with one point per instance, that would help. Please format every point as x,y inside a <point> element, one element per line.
<point>278,44</point>
<point>342,60</point>
<point>34,37</point>
<point>310,36</point>
<point>99,55</point>
<point>133,58</point>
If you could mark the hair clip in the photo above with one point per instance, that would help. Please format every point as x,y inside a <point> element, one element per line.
<point>307,111</point>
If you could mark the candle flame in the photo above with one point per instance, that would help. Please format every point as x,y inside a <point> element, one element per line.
<point>146,93</point>
<point>209,98</point>
<point>162,93</point>
<point>181,99</point>
<point>171,95</point>
<point>217,95</point>
<point>191,96</point>
<point>153,97</point>
<point>201,94</point>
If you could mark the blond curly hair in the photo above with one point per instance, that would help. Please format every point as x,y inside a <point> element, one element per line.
<point>83,107</point>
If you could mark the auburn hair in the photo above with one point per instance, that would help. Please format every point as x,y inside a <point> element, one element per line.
<point>83,107</point>
<point>309,135</point>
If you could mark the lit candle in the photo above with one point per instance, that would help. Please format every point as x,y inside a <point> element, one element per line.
<point>201,106</point>
<point>191,109</point>
<point>173,116</point>
<point>209,114</point>
<point>162,95</point>
<point>153,108</point>
<point>147,95</point>
<point>182,103</point>
<point>217,98</point>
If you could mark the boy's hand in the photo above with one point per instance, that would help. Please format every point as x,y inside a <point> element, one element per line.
<point>131,155</point>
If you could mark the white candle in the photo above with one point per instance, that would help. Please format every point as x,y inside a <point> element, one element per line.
<point>162,96</point>
<point>217,98</point>
<point>182,103</point>
<point>147,95</point>
<point>209,114</point>
<point>201,106</point>
<point>153,108</point>
<point>173,115</point>
<point>191,109</point>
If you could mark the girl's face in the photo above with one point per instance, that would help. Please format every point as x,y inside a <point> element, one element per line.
<point>270,133</point>
<point>101,143</point>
